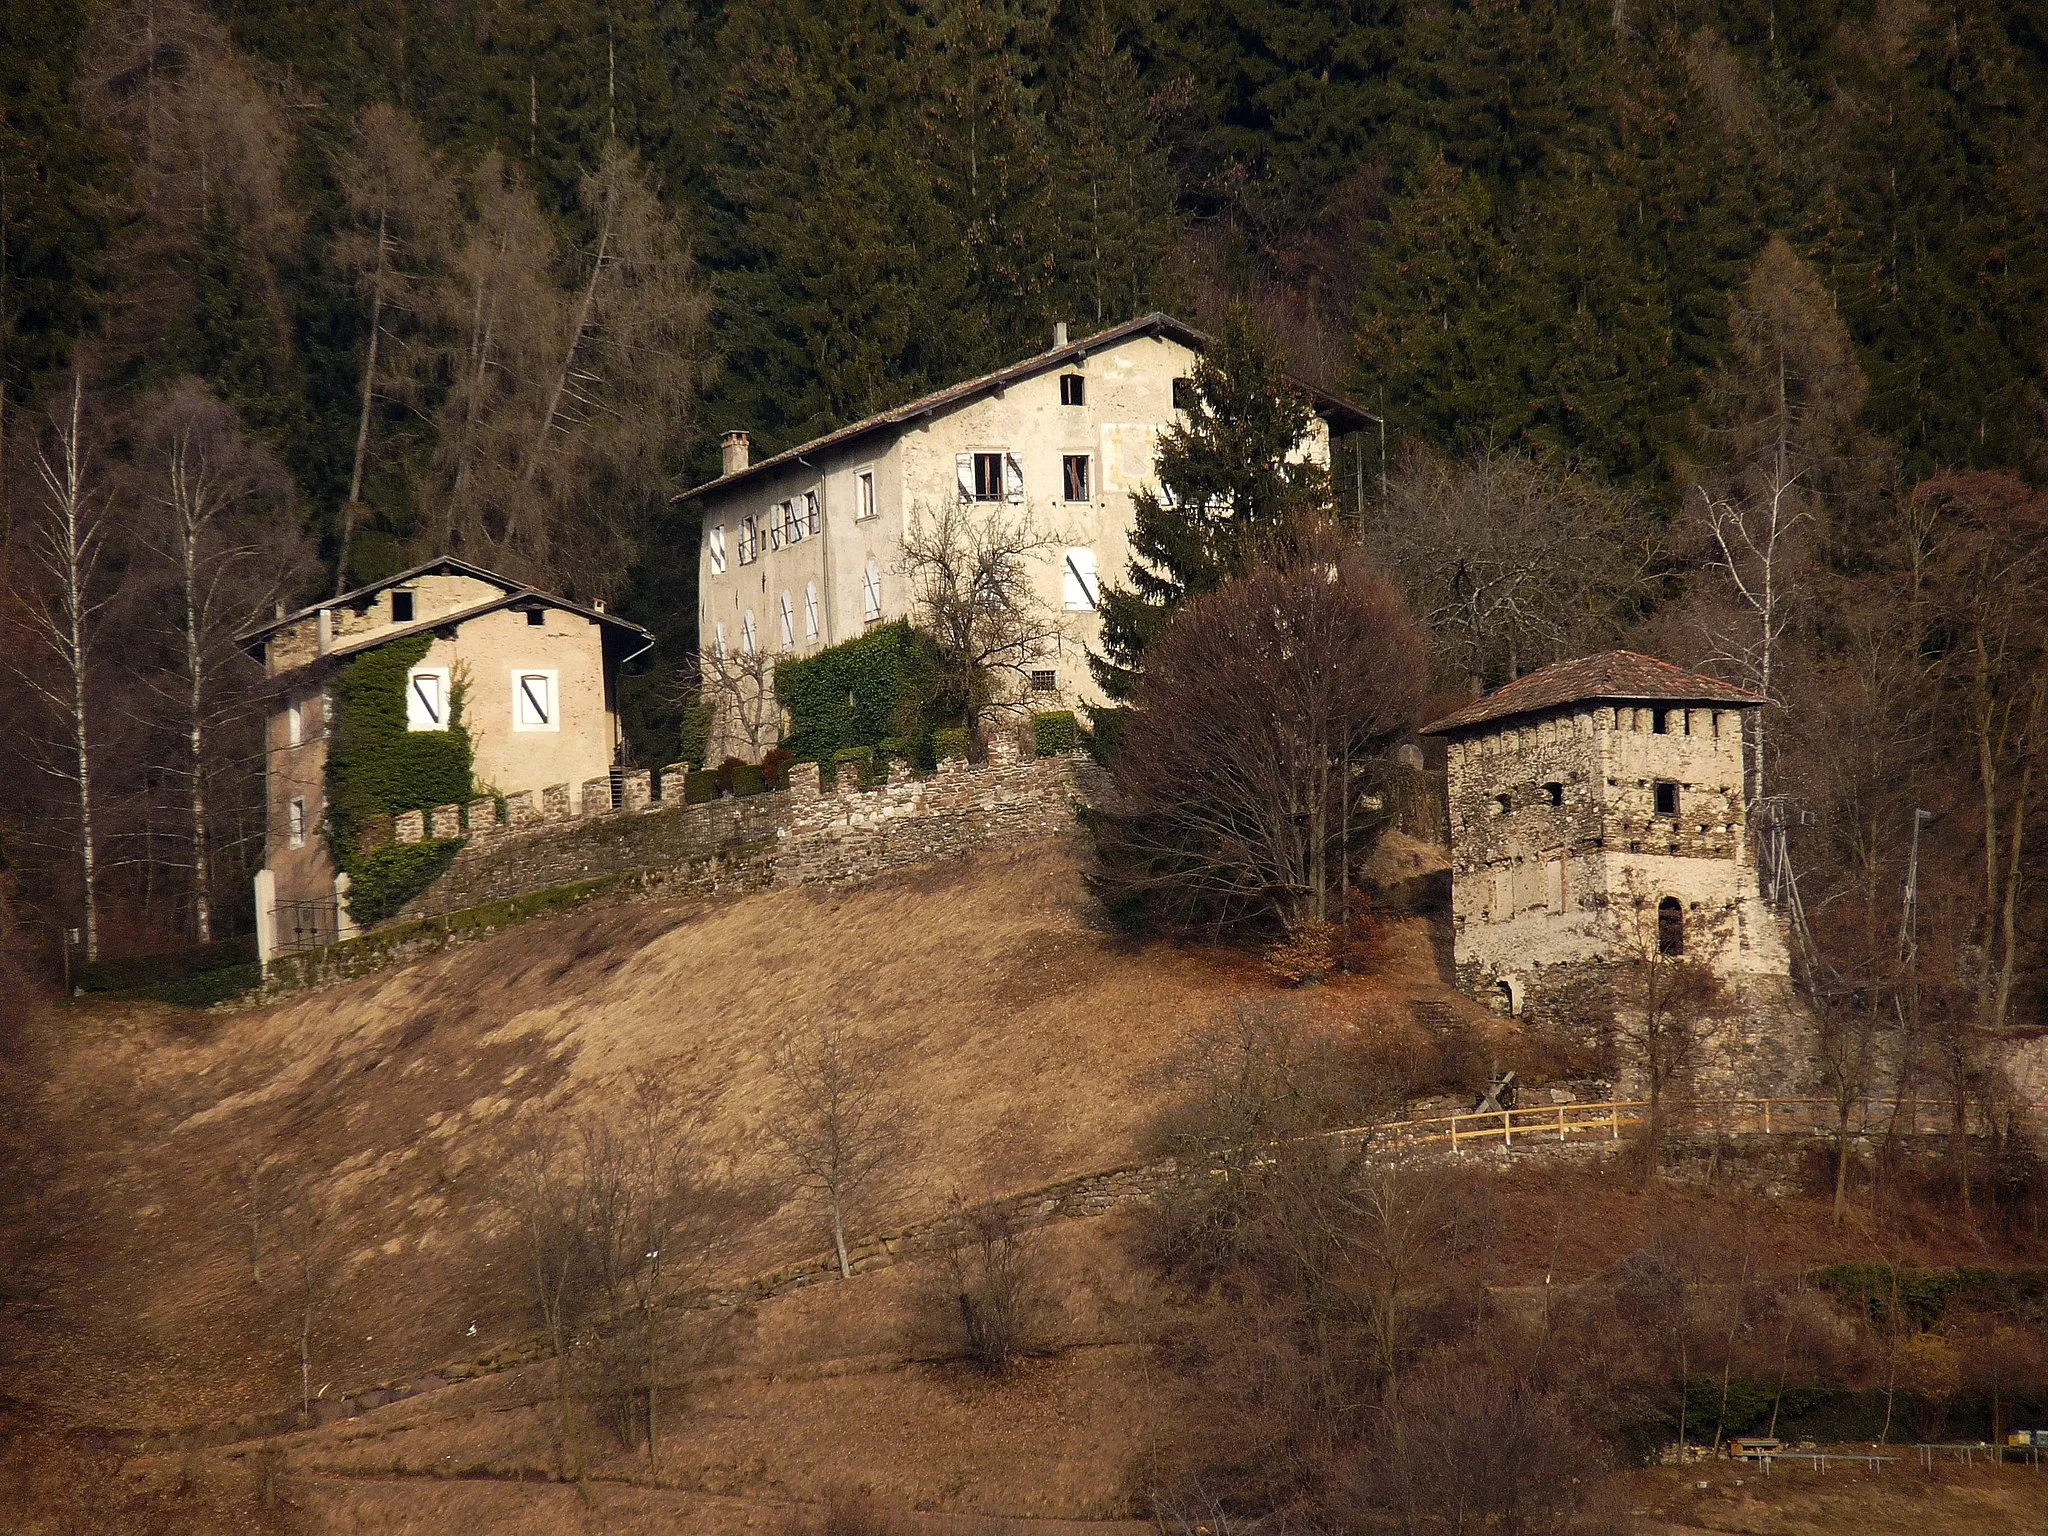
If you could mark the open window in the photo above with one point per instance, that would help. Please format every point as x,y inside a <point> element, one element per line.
<point>1076,483</point>
<point>864,495</point>
<point>1670,928</point>
<point>990,477</point>
<point>401,606</point>
<point>426,699</point>
<point>1073,389</point>
<point>1554,793</point>
<point>750,544</point>
<point>1665,792</point>
<point>1081,588</point>
<point>534,701</point>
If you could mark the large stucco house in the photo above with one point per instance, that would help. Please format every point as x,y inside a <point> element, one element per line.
<point>540,675</point>
<point>805,549</point>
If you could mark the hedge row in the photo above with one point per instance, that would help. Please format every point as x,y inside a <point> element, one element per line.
<point>145,971</point>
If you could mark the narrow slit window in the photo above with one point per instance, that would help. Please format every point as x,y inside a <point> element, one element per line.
<point>864,495</point>
<point>295,822</point>
<point>294,725</point>
<point>1074,476</point>
<point>1670,928</point>
<point>1073,389</point>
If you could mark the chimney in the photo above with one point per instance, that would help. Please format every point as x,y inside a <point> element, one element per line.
<point>1059,334</point>
<point>734,447</point>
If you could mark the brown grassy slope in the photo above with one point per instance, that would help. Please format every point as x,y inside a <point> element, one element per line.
<point>1027,1042</point>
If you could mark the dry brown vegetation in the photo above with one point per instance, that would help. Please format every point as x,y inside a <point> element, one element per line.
<point>1023,1047</point>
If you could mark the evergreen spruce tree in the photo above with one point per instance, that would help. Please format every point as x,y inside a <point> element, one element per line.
<point>1231,476</point>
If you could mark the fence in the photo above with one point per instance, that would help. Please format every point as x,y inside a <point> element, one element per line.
<point>304,925</point>
<point>1606,1119</point>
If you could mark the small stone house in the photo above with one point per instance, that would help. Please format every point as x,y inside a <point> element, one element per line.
<point>1596,812</point>
<point>540,681</point>
<point>804,549</point>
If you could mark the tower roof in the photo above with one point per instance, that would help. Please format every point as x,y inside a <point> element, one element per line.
<point>1612,677</point>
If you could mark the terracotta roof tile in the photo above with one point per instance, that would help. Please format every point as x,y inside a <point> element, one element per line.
<point>1612,676</point>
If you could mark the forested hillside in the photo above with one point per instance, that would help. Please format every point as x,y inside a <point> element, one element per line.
<point>1650,296</point>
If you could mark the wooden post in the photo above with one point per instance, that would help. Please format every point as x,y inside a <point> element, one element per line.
<point>1454,1133</point>
<point>1767,1117</point>
<point>1507,1128</point>
<point>1560,1122</point>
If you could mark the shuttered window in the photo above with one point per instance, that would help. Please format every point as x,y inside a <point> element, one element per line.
<point>788,622</point>
<point>871,593</point>
<point>1083,592</point>
<point>534,704</point>
<point>747,633</point>
<point>810,610</point>
<point>426,699</point>
<point>718,550</point>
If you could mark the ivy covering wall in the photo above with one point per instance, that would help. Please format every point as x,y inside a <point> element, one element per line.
<point>875,688</point>
<point>376,767</point>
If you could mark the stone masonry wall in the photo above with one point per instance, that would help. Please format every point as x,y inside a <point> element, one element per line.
<point>807,835</point>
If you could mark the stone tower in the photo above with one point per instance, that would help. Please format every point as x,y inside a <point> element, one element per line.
<point>1597,815</point>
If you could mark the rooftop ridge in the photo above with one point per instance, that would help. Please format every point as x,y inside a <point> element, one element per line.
<point>1622,676</point>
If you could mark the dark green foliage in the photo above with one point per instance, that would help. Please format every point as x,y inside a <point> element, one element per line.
<point>1055,731</point>
<point>1232,485</point>
<point>1106,728</point>
<point>141,971</point>
<point>383,881</point>
<point>375,766</point>
<point>1892,1296</point>
<point>747,779</point>
<point>951,741</point>
<point>853,766</point>
<point>700,787</point>
<point>858,693</point>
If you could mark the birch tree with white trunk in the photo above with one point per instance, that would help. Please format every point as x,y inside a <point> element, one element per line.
<point>63,601</point>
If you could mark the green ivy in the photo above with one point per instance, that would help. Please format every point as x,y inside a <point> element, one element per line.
<point>859,761</point>
<point>860,693</point>
<point>376,767</point>
<point>950,742</point>
<point>382,882</point>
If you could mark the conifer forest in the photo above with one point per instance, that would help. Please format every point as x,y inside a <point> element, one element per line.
<point>1715,328</point>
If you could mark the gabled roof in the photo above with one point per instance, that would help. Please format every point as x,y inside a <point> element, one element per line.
<point>1332,408</point>
<point>515,594</point>
<point>443,565</point>
<point>1618,677</point>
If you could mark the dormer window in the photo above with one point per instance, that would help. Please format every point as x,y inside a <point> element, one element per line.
<point>401,606</point>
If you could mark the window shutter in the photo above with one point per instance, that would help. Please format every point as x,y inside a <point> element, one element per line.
<point>747,633</point>
<point>871,592</point>
<point>810,610</point>
<point>963,469</point>
<point>1013,478</point>
<point>718,550</point>
<point>788,622</point>
<point>1083,589</point>
<point>810,511</point>
<point>718,640</point>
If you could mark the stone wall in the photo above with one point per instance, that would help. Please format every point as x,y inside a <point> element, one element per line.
<point>801,836</point>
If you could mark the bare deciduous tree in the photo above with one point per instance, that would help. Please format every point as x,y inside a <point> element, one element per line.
<point>227,536</point>
<point>972,569</point>
<point>736,680</point>
<point>1668,995</point>
<point>838,1122</point>
<point>1511,561</point>
<point>992,1288</point>
<point>1249,783</point>
<point>307,1227</point>
<point>63,607</point>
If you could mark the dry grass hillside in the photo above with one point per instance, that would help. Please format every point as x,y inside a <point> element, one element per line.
<point>1030,1044</point>
<point>1027,1042</point>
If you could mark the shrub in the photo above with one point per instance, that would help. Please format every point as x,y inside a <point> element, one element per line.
<point>748,779</point>
<point>1106,728</point>
<point>382,882</point>
<point>861,760</point>
<point>950,742</point>
<point>993,1285</point>
<point>149,971</point>
<point>775,767</point>
<point>699,786</point>
<point>858,693</point>
<point>1056,731</point>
